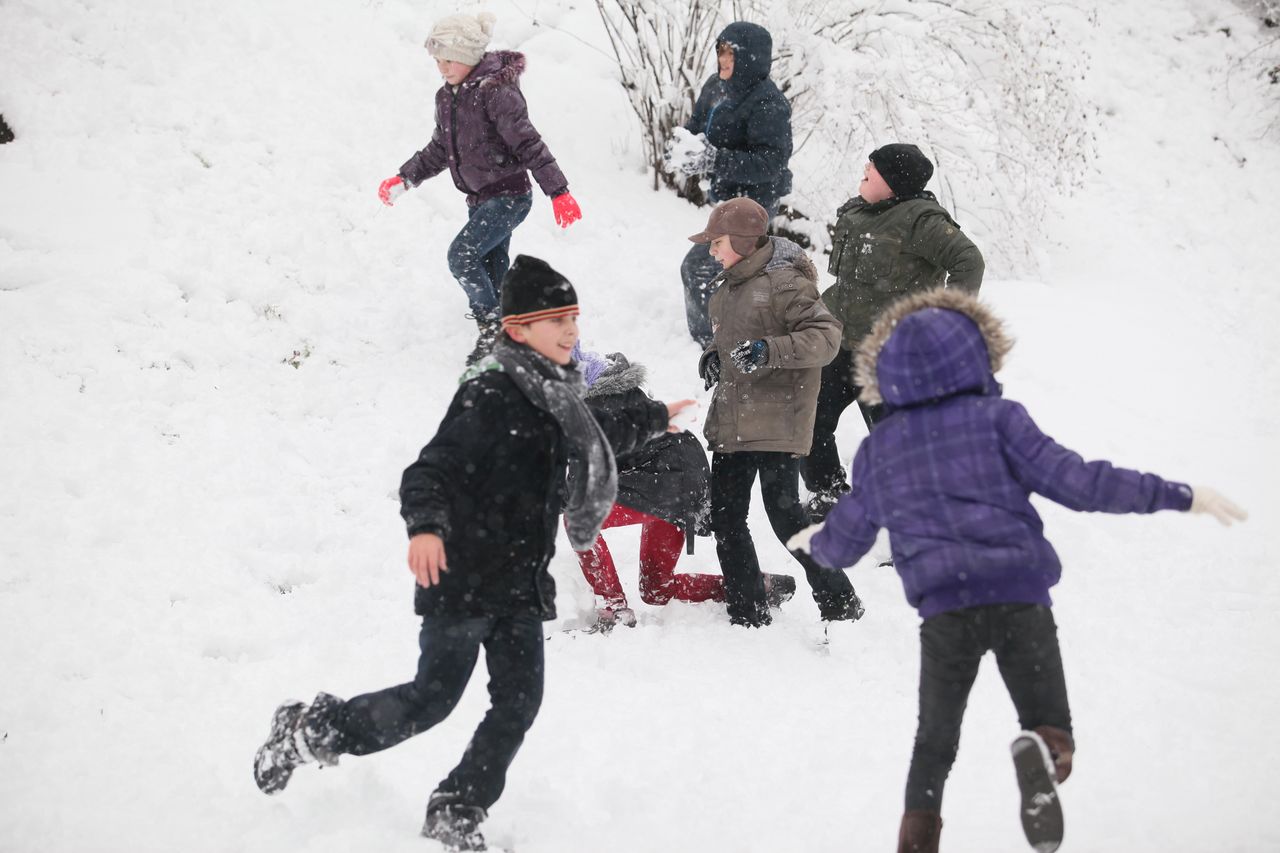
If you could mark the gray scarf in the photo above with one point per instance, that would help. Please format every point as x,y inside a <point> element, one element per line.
<point>593,476</point>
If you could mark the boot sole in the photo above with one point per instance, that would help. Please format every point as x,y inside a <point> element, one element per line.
<point>1041,810</point>
<point>270,778</point>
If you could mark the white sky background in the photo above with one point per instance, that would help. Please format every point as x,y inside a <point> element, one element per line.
<point>191,201</point>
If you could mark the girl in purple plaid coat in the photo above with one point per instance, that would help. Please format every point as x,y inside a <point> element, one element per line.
<point>949,472</point>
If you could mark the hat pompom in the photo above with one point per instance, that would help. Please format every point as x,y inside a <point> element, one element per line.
<point>486,20</point>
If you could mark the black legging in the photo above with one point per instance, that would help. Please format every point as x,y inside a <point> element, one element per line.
<point>1024,639</point>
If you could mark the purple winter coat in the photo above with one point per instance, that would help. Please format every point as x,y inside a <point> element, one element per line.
<point>950,470</point>
<point>484,137</point>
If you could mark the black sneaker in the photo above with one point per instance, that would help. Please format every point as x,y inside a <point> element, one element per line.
<point>846,610</point>
<point>277,758</point>
<point>454,825</point>
<point>300,734</point>
<point>489,329</point>
<point>820,504</point>
<point>778,589</point>
<point>1041,810</point>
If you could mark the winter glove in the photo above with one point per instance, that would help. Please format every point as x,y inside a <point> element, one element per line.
<point>710,371</point>
<point>689,154</point>
<point>566,209</point>
<point>391,189</point>
<point>750,355</point>
<point>800,542</point>
<point>1205,499</point>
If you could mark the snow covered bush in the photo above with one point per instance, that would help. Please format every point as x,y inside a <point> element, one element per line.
<point>986,89</point>
<point>662,48</point>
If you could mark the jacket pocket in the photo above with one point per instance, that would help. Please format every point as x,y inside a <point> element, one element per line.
<point>766,410</point>
<point>876,257</point>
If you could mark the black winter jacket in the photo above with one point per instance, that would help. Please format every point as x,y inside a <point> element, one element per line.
<point>667,477</point>
<point>748,120</point>
<point>491,484</point>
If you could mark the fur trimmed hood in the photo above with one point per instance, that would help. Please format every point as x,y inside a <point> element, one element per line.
<point>931,345</point>
<point>497,67</point>
<point>619,377</point>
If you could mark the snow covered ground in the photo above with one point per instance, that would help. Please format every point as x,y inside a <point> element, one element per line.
<point>218,352</point>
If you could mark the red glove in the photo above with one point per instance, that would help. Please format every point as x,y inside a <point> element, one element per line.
<point>391,189</point>
<point>566,210</point>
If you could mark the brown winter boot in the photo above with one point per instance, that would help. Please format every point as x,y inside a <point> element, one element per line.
<point>919,832</point>
<point>1061,748</point>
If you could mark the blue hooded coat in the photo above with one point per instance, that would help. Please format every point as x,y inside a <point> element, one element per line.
<point>950,471</point>
<point>748,120</point>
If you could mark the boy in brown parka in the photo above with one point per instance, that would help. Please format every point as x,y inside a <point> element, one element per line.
<point>771,335</point>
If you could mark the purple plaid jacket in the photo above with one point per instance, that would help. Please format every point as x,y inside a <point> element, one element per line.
<point>949,472</point>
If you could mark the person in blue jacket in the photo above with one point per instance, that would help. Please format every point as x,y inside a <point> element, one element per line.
<point>744,124</point>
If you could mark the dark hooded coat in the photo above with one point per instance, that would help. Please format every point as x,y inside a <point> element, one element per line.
<point>484,138</point>
<point>748,120</point>
<point>667,477</point>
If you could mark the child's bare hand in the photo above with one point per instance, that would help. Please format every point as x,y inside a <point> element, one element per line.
<point>426,558</point>
<point>674,409</point>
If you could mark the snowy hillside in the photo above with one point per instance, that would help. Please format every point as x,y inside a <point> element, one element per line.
<point>218,352</point>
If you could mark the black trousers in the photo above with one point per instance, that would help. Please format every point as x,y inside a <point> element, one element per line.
<point>1024,639</point>
<point>513,647</point>
<point>732,476</point>
<point>823,473</point>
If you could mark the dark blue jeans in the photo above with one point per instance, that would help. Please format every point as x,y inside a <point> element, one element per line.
<point>513,647</point>
<point>697,271</point>
<point>479,256</point>
<point>1024,639</point>
<point>732,476</point>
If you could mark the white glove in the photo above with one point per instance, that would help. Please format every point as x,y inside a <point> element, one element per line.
<point>689,154</point>
<point>800,542</point>
<point>1205,499</point>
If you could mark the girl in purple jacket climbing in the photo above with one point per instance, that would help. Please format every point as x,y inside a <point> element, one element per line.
<point>949,473</point>
<point>484,138</point>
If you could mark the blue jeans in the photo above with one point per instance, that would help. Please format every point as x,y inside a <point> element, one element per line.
<point>513,648</point>
<point>697,271</point>
<point>478,256</point>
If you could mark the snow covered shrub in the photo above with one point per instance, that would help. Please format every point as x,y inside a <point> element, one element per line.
<point>665,49</point>
<point>986,89</point>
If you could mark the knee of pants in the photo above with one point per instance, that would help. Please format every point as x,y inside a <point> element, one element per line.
<point>522,707</point>
<point>462,258</point>
<point>654,592</point>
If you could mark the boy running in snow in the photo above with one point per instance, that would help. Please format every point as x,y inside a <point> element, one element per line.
<point>891,240</point>
<point>771,334</point>
<point>949,472</point>
<point>481,505</point>
<point>664,487</point>
<point>484,138</point>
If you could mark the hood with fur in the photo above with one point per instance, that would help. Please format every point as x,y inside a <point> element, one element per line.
<point>619,377</point>
<point>931,345</point>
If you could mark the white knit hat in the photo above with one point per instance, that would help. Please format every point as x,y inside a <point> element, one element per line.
<point>461,38</point>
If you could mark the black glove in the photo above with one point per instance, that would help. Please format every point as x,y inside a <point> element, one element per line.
<point>710,370</point>
<point>750,355</point>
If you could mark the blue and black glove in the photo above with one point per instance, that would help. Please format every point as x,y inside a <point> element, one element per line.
<point>750,355</point>
<point>710,370</point>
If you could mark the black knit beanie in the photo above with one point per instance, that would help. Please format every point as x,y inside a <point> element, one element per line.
<point>533,291</point>
<point>903,166</point>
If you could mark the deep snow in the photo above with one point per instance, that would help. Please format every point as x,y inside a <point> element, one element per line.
<point>218,351</point>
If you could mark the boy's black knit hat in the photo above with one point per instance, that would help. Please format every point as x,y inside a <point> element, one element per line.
<point>903,166</point>
<point>533,291</point>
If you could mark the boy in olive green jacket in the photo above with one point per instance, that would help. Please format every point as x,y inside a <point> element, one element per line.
<point>892,239</point>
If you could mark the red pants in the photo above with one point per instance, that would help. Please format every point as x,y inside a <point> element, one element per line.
<point>660,545</point>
